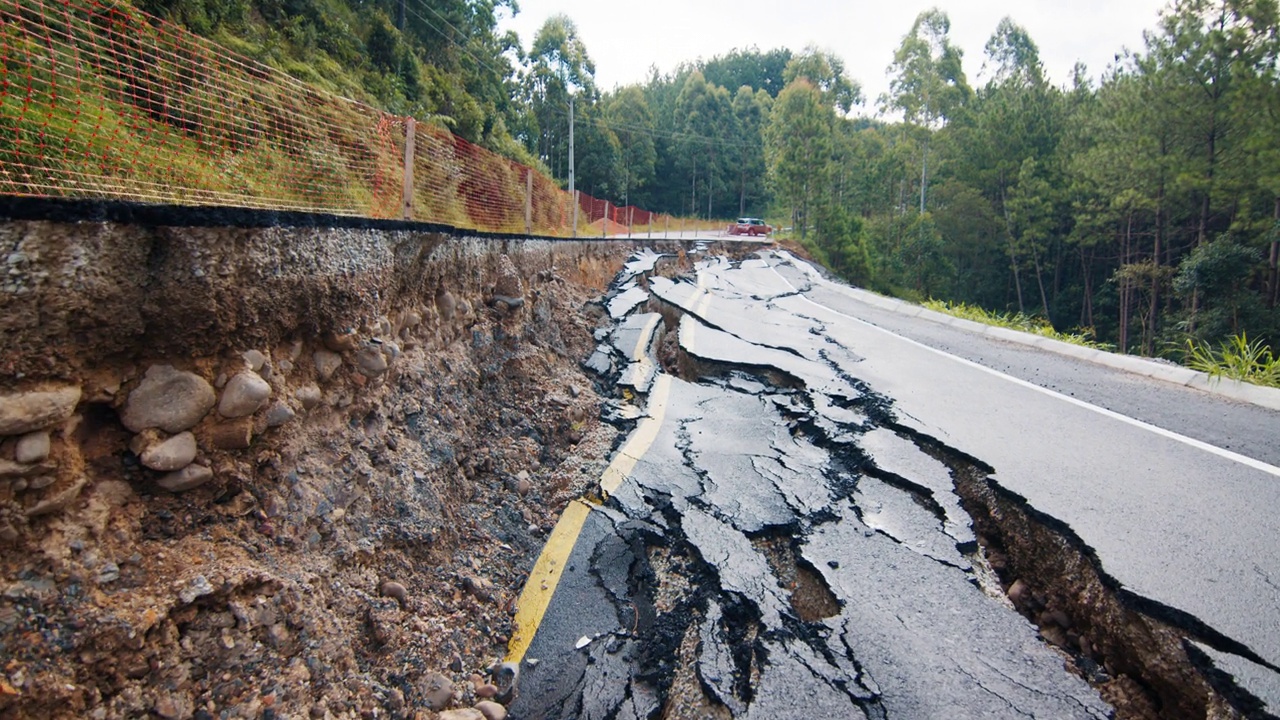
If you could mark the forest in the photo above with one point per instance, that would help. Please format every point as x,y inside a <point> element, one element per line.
<point>1140,210</point>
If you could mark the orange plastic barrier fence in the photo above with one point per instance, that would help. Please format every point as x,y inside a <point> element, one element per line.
<point>100,101</point>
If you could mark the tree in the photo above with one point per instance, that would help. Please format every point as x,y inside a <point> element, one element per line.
<point>751,67</point>
<point>1213,48</point>
<point>629,117</point>
<point>1013,58</point>
<point>826,72</point>
<point>928,82</point>
<point>798,146</point>
<point>704,136</point>
<point>1031,218</point>
<point>559,68</point>
<point>750,112</point>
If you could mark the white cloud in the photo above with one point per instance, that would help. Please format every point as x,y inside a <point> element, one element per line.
<point>625,39</point>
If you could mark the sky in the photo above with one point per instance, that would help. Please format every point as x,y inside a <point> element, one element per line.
<point>626,38</point>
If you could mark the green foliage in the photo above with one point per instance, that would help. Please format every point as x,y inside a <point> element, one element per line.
<point>1096,206</point>
<point>1238,358</point>
<point>752,68</point>
<point>1015,321</point>
<point>826,72</point>
<point>631,121</point>
<point>928,83</point>
<point>797,147</point>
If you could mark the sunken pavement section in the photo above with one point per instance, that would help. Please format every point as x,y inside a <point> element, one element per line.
<point>774,541</point>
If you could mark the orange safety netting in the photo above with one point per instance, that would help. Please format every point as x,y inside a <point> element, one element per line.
<point>101,101</point>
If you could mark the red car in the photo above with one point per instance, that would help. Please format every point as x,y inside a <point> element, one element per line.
<point>749,226</point>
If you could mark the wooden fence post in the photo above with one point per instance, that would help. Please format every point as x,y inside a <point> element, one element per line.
<point>575,212</point>
<point>410,127</point>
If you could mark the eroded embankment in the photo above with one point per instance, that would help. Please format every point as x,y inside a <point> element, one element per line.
<point>280,472</point>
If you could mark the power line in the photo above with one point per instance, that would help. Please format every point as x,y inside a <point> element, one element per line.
<point>450,39</point>
<point>600,122</point>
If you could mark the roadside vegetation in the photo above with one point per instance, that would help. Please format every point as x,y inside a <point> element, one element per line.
<point>1239,358</point>
<point>1015,321</point>
<point>1142,206</point>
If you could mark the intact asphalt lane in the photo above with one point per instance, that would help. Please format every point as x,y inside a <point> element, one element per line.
<point>777,540</point>
<point>1230,424</point>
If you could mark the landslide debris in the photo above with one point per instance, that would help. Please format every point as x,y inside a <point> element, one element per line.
<point>282,473</point>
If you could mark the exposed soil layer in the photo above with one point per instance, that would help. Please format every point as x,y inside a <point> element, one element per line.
<point>1138,661</point>
<point>371,534</point>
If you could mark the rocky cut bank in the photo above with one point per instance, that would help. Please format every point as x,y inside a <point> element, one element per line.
<point>282,472</point>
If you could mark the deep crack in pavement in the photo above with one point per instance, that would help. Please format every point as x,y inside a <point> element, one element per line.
<point>785,545</point>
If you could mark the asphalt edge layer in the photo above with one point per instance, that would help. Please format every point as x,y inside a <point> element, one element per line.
<point>91,210</point>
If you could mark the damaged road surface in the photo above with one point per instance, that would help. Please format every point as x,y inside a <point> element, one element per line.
<point>813,517</point>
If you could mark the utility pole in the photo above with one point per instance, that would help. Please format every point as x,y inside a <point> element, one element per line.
<point>400,17</point>
<point>572,188</point>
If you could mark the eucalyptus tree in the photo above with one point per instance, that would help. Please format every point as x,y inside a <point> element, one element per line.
<point>928,84</point>
<point>559,69</point>
<point>798,147</point>
<point>827,73</point>
<point>629,117</point>
<point>750,112</point>
<point>703,140</point>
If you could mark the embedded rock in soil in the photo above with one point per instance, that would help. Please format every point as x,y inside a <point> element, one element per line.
<point>509,288</point>
<point>393,589</point>
<point>31,410</point>
<point>462,714</point>
<point>446,305</point>
<point>279,414</point>
<point>370,361</point>
<point>327,363</point>
<point>10,469</point>
<point>255,359</point>
<point>244,395</point>
<point>339,341</point>
<point>309,395</point>
<point>437,691</point>
<point>173,454</point>
<point>32,447</point>
<point>188,478</point>
<point>491,710</point>
<point>169,399</point>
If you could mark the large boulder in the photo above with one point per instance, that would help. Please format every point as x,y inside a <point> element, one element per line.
<point>169,399</point>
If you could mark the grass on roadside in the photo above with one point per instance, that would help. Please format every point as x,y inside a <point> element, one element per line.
<point>1237,359</point>
<point>1016,321</point>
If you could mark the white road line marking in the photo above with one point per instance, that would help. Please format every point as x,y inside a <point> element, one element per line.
<point>1198,444</point>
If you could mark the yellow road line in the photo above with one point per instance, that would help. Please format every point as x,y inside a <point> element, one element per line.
<point>542,582</point>
<point>699,301</point>
<point>541,585</point>
<point>646,334</point>
<point>641,438</point>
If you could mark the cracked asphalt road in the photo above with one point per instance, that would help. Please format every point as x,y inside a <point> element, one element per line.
<point>782,535</point>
